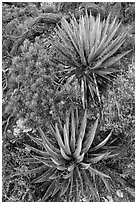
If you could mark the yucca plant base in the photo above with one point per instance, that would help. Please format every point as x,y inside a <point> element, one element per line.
<point>68,165</point>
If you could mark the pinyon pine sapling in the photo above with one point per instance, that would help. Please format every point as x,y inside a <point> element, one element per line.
<point>67,163</point>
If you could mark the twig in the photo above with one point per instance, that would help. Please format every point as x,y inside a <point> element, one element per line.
<point>7,124</point>
<point>6,83</point>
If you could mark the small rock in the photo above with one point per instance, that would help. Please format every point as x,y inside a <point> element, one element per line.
<point>27,149</point>
<point>109,198</point>
<point>9,131</point>
<point>62,102</point>
<point>27,129</point>
<point>119,193</point>
<point>16,131</point>
<point>50,112</point>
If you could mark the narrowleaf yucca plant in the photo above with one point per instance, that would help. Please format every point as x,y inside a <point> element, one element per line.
<point>68,163</point>
<point>89,49</point>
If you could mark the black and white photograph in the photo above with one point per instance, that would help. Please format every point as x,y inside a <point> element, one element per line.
<point>68,101</point>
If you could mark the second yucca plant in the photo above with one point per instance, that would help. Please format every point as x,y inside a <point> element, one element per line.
<point>89,47</point>
<point>67,163</point>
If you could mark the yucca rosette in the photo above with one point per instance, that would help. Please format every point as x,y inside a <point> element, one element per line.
<point>67,163</point>
<point>89,48</point>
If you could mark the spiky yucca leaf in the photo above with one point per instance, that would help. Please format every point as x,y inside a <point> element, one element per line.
<point>72,164</point>
<point>89,48</point>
